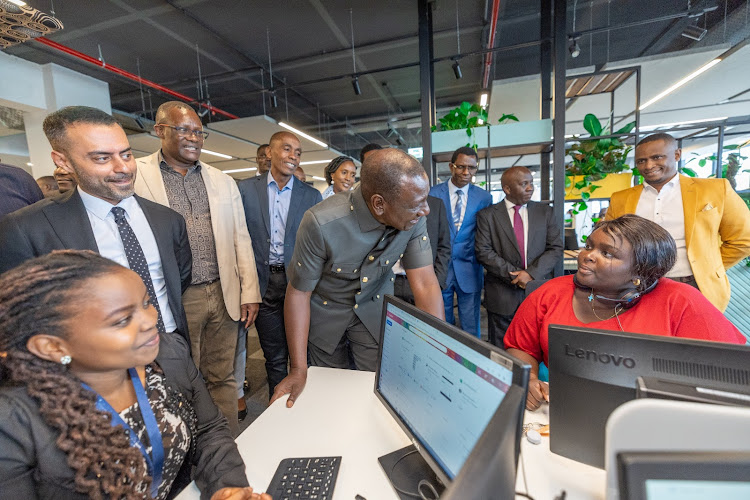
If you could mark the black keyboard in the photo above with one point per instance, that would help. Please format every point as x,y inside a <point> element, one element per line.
<point>305,479</point>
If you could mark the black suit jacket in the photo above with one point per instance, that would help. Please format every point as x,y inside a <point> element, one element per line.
<point>61,223</point>
<point>439,232</point>
<point>497,250</point>
<point>254,194</point>
<point>32,466</point>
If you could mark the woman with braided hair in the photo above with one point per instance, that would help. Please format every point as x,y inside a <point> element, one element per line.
<point>340,175</point>
<point>94,403</point>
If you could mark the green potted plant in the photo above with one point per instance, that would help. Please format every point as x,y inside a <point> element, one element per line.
<point>466,117</point>
<point>594,159</point>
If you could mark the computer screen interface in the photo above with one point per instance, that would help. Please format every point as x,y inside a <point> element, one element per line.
<point>443,390</point>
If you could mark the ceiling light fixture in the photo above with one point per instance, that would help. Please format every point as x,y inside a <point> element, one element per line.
<point>574,49</point>
<point>274,100</point>
<point>318,178</point>
<point>308,137</point>
<point>220,155</point>
<point>457,70</point>
<point>456,66</point>
<point>239,170</point>
<point>29,164</point>
<point>355,78</point>
<point>314,162</point>
<point>681,83</point>
<point>694,32</point>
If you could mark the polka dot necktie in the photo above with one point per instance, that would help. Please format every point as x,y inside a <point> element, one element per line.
<point>137,259</point>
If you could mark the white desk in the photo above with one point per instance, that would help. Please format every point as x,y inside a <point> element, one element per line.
<point>339,414</point>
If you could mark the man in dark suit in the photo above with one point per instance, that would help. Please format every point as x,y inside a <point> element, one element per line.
<point>274,204</point>
<point>17,189</point>
<point>517,241</point>
<point>92,145</point>
<point>439,232</point>
<point>462,201</point>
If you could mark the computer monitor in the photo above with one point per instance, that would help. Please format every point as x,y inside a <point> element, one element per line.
<point>444,386</point>
<point>592,372</point>
<point>684,475</point>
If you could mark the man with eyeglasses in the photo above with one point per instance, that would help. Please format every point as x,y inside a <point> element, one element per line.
<point>707,219</point>
<point>224,287</point>
<point>462,201</point>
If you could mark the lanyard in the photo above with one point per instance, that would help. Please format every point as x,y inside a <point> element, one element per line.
<point>155,461</point>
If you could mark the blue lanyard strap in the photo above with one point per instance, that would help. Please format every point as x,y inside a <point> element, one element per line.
<point>154,461</point>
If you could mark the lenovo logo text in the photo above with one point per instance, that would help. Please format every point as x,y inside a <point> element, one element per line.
<point>600,357</point>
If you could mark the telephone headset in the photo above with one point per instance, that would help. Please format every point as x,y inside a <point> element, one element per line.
<point>627,301</point>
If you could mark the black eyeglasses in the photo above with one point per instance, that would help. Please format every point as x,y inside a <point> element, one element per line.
<point>472,169</point>
<point>186,132</point>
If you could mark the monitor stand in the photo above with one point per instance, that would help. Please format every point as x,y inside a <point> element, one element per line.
<point>405,472</point>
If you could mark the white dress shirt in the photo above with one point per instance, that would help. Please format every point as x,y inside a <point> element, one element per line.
<point>665,208</point>
<point>452,189</point>
<point>524,211</point>
<point>110,243</point>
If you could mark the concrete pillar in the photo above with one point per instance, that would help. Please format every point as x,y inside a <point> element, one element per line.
<point>62,87</point>
<point>38,90</point>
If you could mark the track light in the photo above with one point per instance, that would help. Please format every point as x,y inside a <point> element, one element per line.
<point>694,32</point>
<point>274,100</point>
<point>355,86</point>
<point>457,70</point>
<point>575,49</point>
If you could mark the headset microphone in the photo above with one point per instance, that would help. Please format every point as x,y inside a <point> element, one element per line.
<point>626,301</point>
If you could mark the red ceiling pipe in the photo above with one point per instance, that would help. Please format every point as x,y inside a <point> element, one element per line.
<point>131,76</point>
<point>490,43</point>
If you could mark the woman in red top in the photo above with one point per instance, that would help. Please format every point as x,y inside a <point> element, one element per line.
<point>618,286</point>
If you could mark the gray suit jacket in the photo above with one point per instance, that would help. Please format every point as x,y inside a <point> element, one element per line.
<point>497,250</point>
<point>254,194</point>
<point>61,223</point>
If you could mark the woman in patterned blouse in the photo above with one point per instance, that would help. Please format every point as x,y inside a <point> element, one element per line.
<point>93,402</point>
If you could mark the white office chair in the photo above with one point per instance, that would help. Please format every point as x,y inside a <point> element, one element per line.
<point>663,425</point>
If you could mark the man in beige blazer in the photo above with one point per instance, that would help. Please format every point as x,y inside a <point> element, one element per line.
<point>224,287</point>
<point>708,220</point>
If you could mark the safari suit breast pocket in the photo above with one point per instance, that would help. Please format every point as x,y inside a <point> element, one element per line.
<point>345,271</point>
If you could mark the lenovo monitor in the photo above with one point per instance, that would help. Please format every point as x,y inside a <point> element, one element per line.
<point>592,372</point>
<point>446,389</point>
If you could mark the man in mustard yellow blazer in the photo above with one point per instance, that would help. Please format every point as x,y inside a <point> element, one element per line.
<point>708,220</point>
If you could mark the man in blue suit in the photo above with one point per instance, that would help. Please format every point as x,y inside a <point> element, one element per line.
<point>462,201</point>
<point>274,204</point>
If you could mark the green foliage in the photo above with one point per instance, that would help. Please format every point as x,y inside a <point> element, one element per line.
<point>468,116</point>
<point>594,159</point>
<point>730,167</point>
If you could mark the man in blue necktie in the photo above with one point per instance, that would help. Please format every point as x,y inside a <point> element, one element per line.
<point>462,201</point>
